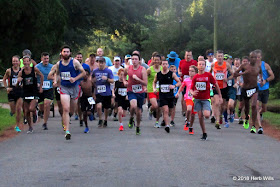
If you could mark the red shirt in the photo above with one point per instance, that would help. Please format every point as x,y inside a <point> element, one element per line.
<point>201,82</point>
<point>184,66</point>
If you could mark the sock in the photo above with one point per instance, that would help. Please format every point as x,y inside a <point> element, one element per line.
<point>225,116</point>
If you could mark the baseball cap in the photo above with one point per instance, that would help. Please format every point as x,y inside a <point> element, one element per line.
<point>100,59</point>
<point>127,57</point>
<point>117,58</point>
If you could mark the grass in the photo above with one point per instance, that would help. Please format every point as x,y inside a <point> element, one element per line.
<point>273,102</point>
<point>273,118</point>
<point>6,120</point>
<point>3,96</point>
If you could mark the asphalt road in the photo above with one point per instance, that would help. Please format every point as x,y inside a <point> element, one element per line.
<point>107,157</point>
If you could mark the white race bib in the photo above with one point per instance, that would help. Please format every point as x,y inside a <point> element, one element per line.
<point>122,91</point>
<point>157,85</point>
<point>14,81</point>
<point>91,101</point>
<point>30,98</point>
<point>251,92</point>
<point>164,88</point>
<point>200,85</point>
<point>220,76</point>
<point>65,75</point>
<point>186,76</point>
<point>137,88</point>
<point>46,84</point>
<point>101,88</point>
<point>229,82</point>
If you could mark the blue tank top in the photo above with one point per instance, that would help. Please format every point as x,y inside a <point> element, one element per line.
<point>265,76</point>
<point>45,70</point>
<point>66,72</point>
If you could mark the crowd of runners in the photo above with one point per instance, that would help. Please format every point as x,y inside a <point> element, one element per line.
<point>211,87</point>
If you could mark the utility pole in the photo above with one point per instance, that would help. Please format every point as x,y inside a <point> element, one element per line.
<point>215,26</point>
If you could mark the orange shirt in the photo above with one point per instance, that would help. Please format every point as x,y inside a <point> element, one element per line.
<point>220,72</point>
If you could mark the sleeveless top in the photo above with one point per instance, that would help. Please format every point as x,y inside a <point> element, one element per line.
<point>13,78</point>
<point>265,76</point>
<point>133,85</point>
<point>220,72</point>
<point>151,78</point>
<point>29,83</point>
<point>165,80</point>
<point>66,72</point>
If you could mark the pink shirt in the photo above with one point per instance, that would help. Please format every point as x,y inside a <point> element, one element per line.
<point>188,83</point>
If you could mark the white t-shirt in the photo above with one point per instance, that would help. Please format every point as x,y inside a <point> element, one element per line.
<point>208,65</point>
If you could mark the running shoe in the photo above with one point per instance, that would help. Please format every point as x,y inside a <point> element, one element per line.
<point>218,126</point>
<point>240,121</point>
<point>191,131</point>
<point>24,121</point>
<point>91,117</point>
<point>67,135</point>
<point>172,124</point>
<point>35,117</point>
<point>162,123</point>
<point>86,130</point>
<point>105,123</point>
<point>226,125</point>
<point>246,124</point>
<point>260,130</point>
<point>115,118</point>
<point>131,123</point>
<point>81,123</point>
<point>204,137</point>
<point>231,119</point>
<point>76,117</point>
<point>45,126</point>
<point>150,115</point>
<point>138,132</point>
<point>157,125</point>
<point>167,129</point>
<point>253,129</point>
<point>17,129</point>
<point>100,122</point>
<point>186,126</point>
<point>30,130</point>
<point>121,128</point>
<point>213,120</point>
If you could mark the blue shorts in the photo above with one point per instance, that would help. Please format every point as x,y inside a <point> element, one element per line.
<point>138,96</point>
<point>232,93</point>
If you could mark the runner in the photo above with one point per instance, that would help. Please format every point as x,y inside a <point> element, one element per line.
<point>27,52</point>
<point>87,101</point>
<point>173,110</point>
<point>166,91</point>
<point>183,71</point>
<point>14,93</point>
<point>46,97</point>
<point>115,69</point>
<point>100,53</point>
<point>30,90</point>
<point>250,73</point>
<point>120,95</point>
<point>154,97</point>
<point>200,89</point>
<point>263,85</point>
<point>103,77</point>
<point>232,85</point>
<point>69,89</point>
<point>173,59</point>
<point>137,82</point>
<point>189,99</point>
<point>220,70</point>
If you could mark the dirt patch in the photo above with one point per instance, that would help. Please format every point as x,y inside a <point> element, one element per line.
<point>271,130</point>
<point>10,132</point>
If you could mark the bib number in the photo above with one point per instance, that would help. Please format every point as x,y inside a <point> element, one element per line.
<point>200,85</point>
<point>46,84</point>
<point>29,98</point>
<point>220,76</point>
<point>101,89</point>
<point>251,92</point>
<point>164,88</point>
<point>91,101</point>
<point>65,76</point>
<point>137,88</point>
<point>229,82</point>
<point>122,91</point>
<point>14,81</point>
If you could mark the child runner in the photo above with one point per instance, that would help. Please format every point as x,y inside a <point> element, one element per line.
<point>173,110</point>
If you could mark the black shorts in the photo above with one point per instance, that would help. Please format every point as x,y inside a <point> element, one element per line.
<point>57,93</point>
<point>166,101</point>
<point>104,100</point>
<point>224,93</point>
<point>123,103</point>
<point>85,105</point>
<point>248,93</point>
<point>14,95</point>
<point>46,94</point>
<point>263,96</point>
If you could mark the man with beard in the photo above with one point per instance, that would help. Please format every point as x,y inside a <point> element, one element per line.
<point>69,89</point>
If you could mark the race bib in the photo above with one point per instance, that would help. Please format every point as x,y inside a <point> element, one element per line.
<point>46,84</point>
<point>157,85</point>
<point>200,85</point>
<point>251,92</point>
<point>220,76</point>
<point>65,75</point>
<point>229,82</point>
<point>186,76</point>
<point>91,101</point>
<point>14,81</point>
<point>164,88</point>
<point>137,88</point>
<point>122,91</point>
<point>29,98</point>
<point>101,88</point>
